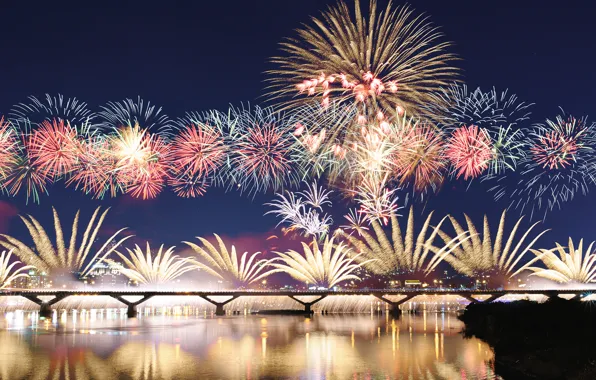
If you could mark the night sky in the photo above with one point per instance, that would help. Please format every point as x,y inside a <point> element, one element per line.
<point>198,56</point>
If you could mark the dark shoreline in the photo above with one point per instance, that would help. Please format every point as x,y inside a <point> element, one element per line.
<point>551,340</point>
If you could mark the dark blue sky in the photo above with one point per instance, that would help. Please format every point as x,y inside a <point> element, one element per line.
<point>198,56</point>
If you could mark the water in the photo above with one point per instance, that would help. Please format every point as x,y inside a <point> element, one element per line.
<point>105,345</point>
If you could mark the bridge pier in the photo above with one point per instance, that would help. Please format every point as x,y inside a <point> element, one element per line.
<point>131,311</point>
<point>394,305</point>
<point>45,308</point>
<point>307,305</point>
<point>219,306</point>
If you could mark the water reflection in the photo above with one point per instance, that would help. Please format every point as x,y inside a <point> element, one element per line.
<point>101,344</point>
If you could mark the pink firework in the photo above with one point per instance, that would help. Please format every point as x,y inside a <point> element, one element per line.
<point>420,157</point>
<point>187,185</point>
<point>199,149</point>
<point>95,171</point>
<point>470,151</point>
<point>55,147</point>
<point>263,155</point>
<point>8,146</point>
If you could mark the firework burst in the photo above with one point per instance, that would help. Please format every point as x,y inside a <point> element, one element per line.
<point>470,150</point>
<point>8,147</point>
<point>199,149</point>
<point>382,61</point>
<point>188,185</point>
<point>325,268</point>
<point>376,200</point>
<point>149,268</point>
<point>224,264</point>
<point>27,174</point>
<point>571,265</point>
<point>68,110</point>
<point>49,257</point>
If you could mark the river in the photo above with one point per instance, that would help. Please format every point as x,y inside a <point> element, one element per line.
<point>103,344</point>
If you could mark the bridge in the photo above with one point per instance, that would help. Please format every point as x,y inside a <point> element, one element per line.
<point>381,294</point>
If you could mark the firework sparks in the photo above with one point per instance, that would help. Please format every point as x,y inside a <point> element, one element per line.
<point>357,221</point>
<point>476,256</point>
<point>153,269</point>
<point>8,147</point>
<point>558,143</point>
<point>48,257</point>
<point>404,255</point>
<point>572,264</point>
<point>316,196</point>
<point>326,268</point>
<point>26,173</point>
<point>224,264</point>
<point>470,150</point>
<point>68,110</point>
<point>189,185</point>
<point>376,201</point>
<point>350,59</point>
<point>198,149</point>
<point>7,275</point>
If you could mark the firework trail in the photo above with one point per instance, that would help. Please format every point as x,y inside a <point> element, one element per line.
<point>115,115</point>
<point>48,257</point>
<point>478,256</point>
<point>149,268</point>
<point>324,268</point>
<point>7,275</point>
<point>572,264</point>
<point>224,264</point>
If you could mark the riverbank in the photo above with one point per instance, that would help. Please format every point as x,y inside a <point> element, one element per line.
<point>551,340</point>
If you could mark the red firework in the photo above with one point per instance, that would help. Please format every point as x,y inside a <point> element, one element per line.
<point>55,147</point>
<point>470,151</point>
<point>198,149</point>
<point>263,153</point>
<point>420,158</point>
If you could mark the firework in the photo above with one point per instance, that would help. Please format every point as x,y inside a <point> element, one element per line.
<point>312,223</point>
<point>26,173</point>
<point>261,154</point>
<point>48,257</point>
<point>316,196</point>
<point>481,256</point>
<point>68,110</point>
<point>7,275</point>
<point>198,149</point>
<point>224,264</point>
<point>572,264</point>
<point>148,268</point>
<point>560,163</point>
<point>130,146</point>
<point>485,109</point>
<point>115,115</point>
<point>470,150</point>
<point>357,221</point>
<point>508,148</point>
<point>149,178</point>
<point>55,147</point>
<point>401,254</point>
<point>326,268</point>
<point>382,61</point>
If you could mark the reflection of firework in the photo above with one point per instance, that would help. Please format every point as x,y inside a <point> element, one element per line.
<point>384,61</point>
<point>224,264</point>
<point>572,264</point>
<point>470,150</point>
<point>48,257</point>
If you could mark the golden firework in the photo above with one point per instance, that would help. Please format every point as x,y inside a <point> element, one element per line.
<point>572,264</point>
